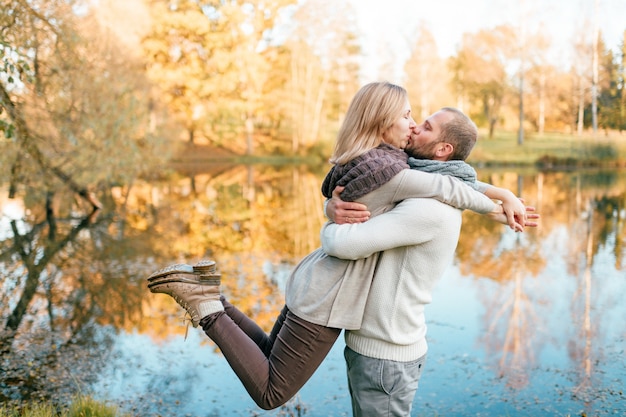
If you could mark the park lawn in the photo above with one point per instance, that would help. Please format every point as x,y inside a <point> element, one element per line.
<point>550,150</point>
<point>547,151</point>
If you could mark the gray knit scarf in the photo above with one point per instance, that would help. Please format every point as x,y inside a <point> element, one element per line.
<point>459,169</point>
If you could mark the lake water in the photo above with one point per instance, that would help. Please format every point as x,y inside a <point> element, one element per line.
<point>528,324</point>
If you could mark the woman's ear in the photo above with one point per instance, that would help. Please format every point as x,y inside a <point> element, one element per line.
<point>444,150</point>
<point>384,136</point>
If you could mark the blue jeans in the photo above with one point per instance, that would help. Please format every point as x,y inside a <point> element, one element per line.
<point>380,387</point>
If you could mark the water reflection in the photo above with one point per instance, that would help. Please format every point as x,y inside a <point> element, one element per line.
<point>521,324</point>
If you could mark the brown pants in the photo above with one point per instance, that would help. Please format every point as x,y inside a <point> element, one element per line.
<point>272,368</point>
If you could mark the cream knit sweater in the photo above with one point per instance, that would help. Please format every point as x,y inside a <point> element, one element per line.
<point>418,237</point>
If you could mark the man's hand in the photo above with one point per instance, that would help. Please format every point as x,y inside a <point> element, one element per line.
<point>342,212</point>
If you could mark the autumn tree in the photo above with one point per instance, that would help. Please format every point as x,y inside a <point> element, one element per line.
<point>611,110</point>
<point>590,76</point>
<point>210,62</point>
<point>71,101</point>
<point>256,51</point>
<point>427,78</point>
<point>619,115</point>
<point>580,68</point>
<point>324,70</point>
<point>590,111</point>
<point>180,55</point>
<point>534,70</point>
<point>480,71</point>
<point>549,98</point>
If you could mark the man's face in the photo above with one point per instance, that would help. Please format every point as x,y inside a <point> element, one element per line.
<point>398,135</point>
<point>425,137</point>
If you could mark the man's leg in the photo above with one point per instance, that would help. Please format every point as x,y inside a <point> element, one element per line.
<point>381,388</point>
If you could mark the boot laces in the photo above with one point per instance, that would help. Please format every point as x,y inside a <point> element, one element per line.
<point>188,317</point>
<point>186,321</point>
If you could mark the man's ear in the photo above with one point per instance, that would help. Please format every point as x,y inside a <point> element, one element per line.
<point>444,150</point>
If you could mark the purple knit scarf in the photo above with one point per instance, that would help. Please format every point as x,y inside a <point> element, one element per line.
<point>365,173</point>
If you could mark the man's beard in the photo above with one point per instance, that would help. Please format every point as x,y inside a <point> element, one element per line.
<point>422,152</point>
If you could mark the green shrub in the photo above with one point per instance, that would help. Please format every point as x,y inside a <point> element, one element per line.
<point>88,407</point>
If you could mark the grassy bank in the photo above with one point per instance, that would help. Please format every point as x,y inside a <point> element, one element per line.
<point>548,151</point>
<point>80,407</point>
<point>552,150</point>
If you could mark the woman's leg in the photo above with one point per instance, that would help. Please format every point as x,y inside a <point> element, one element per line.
<point>250,328</point>
<point>297,352</point>
<point>296,347</point>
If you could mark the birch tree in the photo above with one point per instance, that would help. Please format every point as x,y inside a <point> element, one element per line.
<point>427,79</point>
<point>324,72</point>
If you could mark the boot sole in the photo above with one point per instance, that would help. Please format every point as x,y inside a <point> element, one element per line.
<point>189,279</point>
<point>204,267</point>
<point>203,273</point>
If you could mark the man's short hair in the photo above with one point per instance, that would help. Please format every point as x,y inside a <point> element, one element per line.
<point>461,132</point>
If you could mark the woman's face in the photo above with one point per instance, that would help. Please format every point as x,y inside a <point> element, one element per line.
<point>399,133</point>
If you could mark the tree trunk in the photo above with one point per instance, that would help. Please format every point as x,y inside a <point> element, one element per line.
<point>15,173</point>
<point>191,135</point>
<point>317,111</point>
<point>522,45</point>
<point>249,135</point>
<point>581,107</point>
<point>492,127</point>
<point>520,133</point>
<point>35,268</point>
<point>594,82</point>
<point>542,103</point>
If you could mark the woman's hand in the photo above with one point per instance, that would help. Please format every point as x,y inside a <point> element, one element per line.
<point>526,219</point>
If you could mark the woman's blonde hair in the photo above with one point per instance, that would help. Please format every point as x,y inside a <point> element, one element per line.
<point>372,111</point>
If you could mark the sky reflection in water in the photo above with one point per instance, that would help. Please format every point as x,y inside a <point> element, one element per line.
<point>544,371</point>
